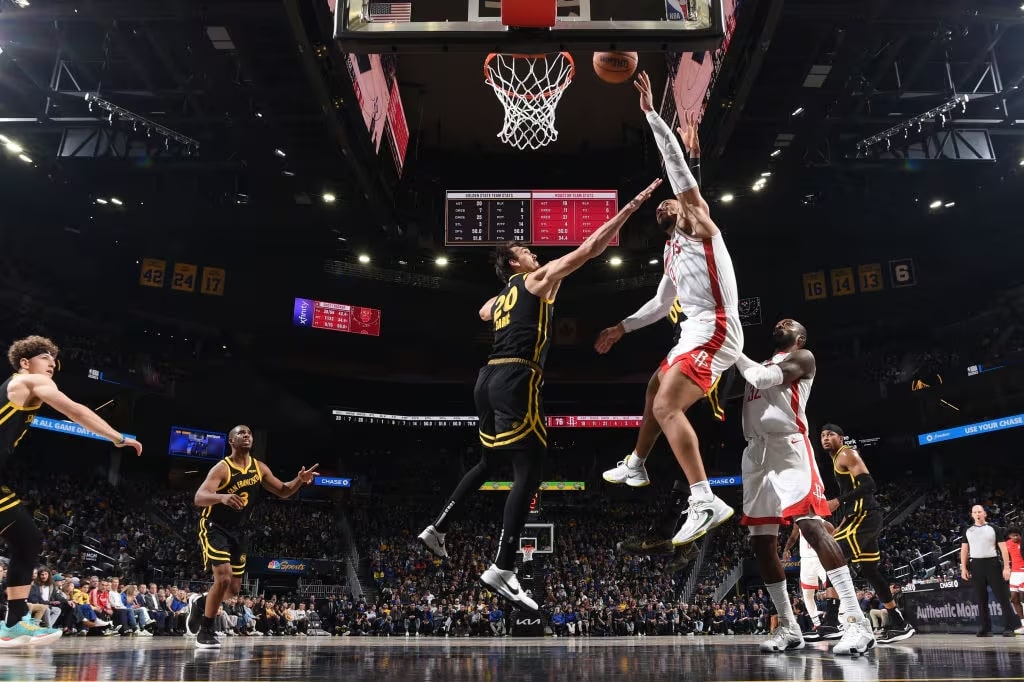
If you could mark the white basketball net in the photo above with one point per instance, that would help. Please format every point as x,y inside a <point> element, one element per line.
<point>528,551</point>
<point>529,87</point>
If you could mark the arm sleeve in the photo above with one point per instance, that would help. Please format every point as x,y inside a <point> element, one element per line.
<point>679,175</point>
<point>759,376</point>
<point>865,485</point>
<point>653,310</point>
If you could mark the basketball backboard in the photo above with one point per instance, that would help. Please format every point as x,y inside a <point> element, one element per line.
<point>475,25</point>
<point>540,535</point>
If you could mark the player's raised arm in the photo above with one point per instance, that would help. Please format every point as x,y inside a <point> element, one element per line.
<point>549,276</point>
<point>681,179</point>
<point>647,314</point>
<point>46,390</point>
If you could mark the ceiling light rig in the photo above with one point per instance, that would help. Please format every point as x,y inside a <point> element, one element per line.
<point>939,114</point>
<point>116,113</point>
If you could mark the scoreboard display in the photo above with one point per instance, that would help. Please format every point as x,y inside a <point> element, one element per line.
<point>540,217</point>
<point>553,422</point>
<point>338,317</point>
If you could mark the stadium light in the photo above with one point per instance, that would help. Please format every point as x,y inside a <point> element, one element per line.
<point>441,261</point>
<point>615,261</point>
<point>364,259</point>
<point>935,204</point>
<point>329,198</point>
<point>727,198</point>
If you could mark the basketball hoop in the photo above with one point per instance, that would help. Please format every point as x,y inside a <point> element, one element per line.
<point>529,87</point>
<point>528,551</point>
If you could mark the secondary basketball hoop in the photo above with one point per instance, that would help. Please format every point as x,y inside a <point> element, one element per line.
<point>529,87</point>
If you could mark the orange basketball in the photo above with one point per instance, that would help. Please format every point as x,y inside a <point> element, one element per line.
<point>615,67</point>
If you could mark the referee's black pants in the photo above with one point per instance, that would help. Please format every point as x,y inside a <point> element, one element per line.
<point>987,573</point>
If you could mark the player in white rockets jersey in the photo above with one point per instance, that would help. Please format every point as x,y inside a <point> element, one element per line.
<point>781,485</point>
<point>699,274</point>
<point>812,575</point>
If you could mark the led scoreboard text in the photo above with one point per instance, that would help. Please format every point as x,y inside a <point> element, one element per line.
<point>337,317</point>
<point>542,217</point>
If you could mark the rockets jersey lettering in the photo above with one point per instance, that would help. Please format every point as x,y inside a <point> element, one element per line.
<point>702,272</point>
<point>779,410</point>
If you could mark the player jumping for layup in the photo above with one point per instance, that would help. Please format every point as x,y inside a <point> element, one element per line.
<point>228,496</point>
<point>507,393</point>
<point>861,525</point>
<point>781,484</point>
<point>699,269</point>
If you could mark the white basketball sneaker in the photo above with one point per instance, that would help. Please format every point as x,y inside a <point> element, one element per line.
<point>630,471</point>
<point>857,638</point>
<point>701,517</point>
<point>783,639</point>
<point>507,585</point>
<point>434,541</point>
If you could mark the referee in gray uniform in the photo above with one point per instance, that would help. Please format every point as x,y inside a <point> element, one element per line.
<point>984,544</point>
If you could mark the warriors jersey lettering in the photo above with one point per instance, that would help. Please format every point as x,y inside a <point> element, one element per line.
<point>246,483</point>
<point>522,323</point>
<point>14,422</point>
<point>847,482</point>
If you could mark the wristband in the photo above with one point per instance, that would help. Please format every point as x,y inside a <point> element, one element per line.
<point>123,440</point>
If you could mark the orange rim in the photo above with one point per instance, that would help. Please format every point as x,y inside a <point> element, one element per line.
<point>523,55</point>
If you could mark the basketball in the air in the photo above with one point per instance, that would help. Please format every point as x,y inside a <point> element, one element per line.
<point>615,67</point>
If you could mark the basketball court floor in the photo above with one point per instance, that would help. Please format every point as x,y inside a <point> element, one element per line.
<point>926,657</point>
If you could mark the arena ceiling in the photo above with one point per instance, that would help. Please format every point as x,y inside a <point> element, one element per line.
<point>255,93</point>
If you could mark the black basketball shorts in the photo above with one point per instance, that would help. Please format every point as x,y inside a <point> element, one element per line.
<point>222,545</point>
<point>858,536</point>
<point>508,404</point>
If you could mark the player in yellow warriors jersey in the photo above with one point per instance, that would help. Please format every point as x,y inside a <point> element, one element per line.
<point>34,360</point>
<point>227,497</point>
<point>861,525</point>
<point>508,396</point>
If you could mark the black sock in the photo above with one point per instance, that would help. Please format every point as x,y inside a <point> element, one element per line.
<point>895,618</point>
<point>831,613</point>
<point>665,525</point>
<point>528,465</point>
<point>207,624</point>
<point>469,484</point>
<point>16,610</point>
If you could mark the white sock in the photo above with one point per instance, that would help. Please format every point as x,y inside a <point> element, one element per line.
<point>634,461</point>
<point>812,607</point>
<point>780,598</point>
<point>843,583</point>
<point>702,491</point>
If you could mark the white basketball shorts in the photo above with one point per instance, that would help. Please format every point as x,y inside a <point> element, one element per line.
<point>709,344</point>
<point>781,481</point>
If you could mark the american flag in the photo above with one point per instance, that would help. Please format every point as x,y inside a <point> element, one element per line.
<point>390,11</point>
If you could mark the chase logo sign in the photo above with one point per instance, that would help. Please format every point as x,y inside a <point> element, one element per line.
<point>723,481</point>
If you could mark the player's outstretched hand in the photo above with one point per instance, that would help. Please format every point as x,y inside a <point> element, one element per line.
<point>688,134</point>
<point>639,199</point>
<point>307,475</point>
<point>131,443</point>
<point>608,338</point>
<point>643,86</point>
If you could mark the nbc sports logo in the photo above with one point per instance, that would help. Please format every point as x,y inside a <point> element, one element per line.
<point>274,565</point>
